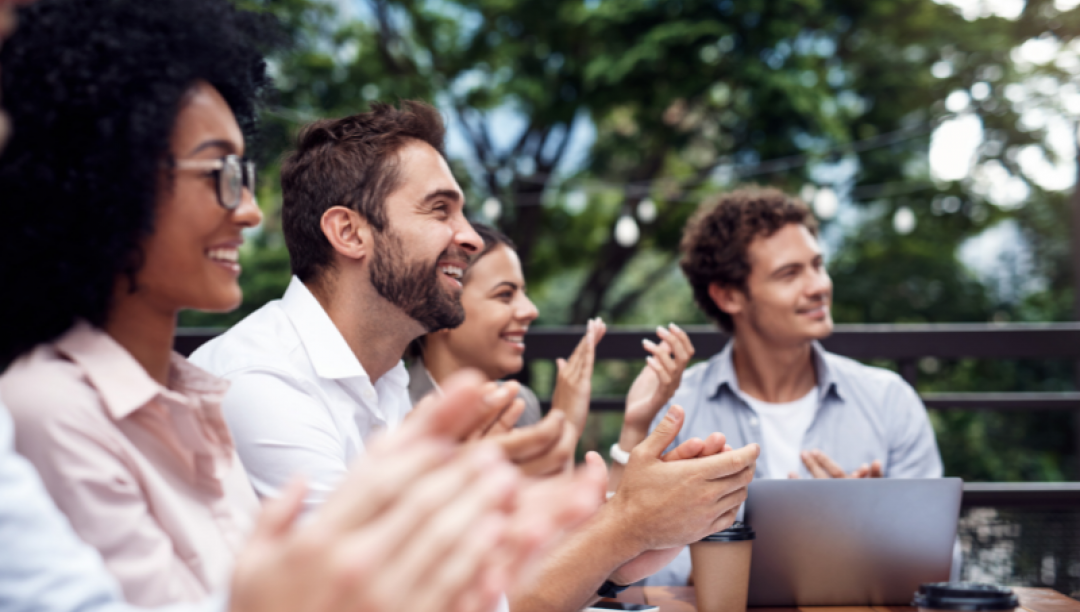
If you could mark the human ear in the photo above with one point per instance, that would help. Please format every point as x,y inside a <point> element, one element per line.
<point>347,232</point>
<point>728,299</point>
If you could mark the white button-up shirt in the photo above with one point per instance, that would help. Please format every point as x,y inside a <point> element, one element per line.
<point>300,402</point>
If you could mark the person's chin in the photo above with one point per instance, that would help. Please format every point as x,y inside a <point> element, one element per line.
<point>220,299</point>
<point>510,366</point>
<point>453,294</point>
<point>818,330</point>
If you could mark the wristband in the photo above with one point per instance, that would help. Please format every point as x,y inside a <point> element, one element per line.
<point>618,455</point>
<point>610,590</point>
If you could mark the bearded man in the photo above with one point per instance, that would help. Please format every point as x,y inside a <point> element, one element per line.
<point>373,221</point>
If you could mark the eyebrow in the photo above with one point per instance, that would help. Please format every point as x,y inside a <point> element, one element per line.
<point>221,144</point>
<point>452,194</point>
<point>512,285</point>
<point>795,265</point>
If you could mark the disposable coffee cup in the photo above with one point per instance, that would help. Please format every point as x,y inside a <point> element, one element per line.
<point>964,597</point>
<point>721,569</point>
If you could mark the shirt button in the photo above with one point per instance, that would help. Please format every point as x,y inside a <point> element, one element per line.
<point>753,422</point>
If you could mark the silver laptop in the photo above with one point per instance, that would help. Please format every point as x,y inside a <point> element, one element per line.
<point>850,542</point>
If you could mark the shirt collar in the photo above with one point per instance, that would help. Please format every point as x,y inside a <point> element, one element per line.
<point>827,380</point>
<point>398,376</point>
<point>122,382</point>
<point>724,371</point>
<point>330,355</point>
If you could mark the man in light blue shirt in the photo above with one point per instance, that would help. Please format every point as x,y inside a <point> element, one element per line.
<point>755,266</point>
<point>861,416</point>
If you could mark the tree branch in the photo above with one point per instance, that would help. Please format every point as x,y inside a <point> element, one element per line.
<point>621,307</point>
<point>387,35</point>
<point>520,144</point>
<point>560,150</point>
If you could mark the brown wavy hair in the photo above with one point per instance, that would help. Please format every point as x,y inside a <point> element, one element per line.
<point>350,162</point>
<point>715,240</point>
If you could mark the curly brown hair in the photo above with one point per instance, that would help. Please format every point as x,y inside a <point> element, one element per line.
<point>715,240</point>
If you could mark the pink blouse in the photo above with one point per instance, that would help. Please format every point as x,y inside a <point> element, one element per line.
<point>147,474</point>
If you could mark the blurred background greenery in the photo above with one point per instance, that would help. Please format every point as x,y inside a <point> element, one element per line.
<point>935,140</point>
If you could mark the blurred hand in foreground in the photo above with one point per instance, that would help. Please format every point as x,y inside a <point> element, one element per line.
<point>420,524</point>
<point>541,449</point>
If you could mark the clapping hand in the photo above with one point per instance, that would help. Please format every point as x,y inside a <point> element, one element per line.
<point>541,449</point>
<point>652,561</point>
<point>573,383</point>
<point>658,380</point>
<point>821,465</point>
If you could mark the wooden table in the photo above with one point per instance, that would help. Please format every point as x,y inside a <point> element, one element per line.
<point>682,599</point>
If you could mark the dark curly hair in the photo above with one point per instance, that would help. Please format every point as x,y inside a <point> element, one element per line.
<point>93,88</point>
<point>348,162</point>
<point>716,239</point>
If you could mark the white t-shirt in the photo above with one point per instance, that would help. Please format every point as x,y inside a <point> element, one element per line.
<point>783,427</point>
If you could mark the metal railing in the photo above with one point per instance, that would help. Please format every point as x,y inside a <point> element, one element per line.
<point>904,344</point>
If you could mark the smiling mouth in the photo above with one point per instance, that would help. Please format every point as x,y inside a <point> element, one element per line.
<point>515,338</point>
<point>454,272</point>
<point>225,256</point>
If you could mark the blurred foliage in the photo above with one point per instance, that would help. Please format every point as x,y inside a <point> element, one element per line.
<point>679,99</point>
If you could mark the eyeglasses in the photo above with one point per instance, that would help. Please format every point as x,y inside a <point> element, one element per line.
<point>232,172</point>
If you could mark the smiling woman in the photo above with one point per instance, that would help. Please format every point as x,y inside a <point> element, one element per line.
<point>492,337</point>
<point>125,194</point>
<point>86,173</point>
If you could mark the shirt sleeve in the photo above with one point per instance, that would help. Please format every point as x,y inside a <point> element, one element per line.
<point>72,444</point>
<point>532,413</point>
<point>45,566</point>
<point>913,450</point>
<point>282,432</point>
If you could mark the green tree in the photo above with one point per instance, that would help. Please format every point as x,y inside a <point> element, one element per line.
<point>684,98</point>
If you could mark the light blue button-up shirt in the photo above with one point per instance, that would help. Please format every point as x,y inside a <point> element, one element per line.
<point>863,414</point>
<point>44,566</point>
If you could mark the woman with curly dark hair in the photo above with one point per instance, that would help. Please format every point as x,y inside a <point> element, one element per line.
<point>125,193</point>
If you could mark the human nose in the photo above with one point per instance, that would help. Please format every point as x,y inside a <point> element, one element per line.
<point>525,311</point>
<point>248,213</point>
<point>821,284</point>
<point>466,237</point>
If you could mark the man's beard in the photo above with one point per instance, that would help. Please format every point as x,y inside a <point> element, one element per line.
<point>415,287</point>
